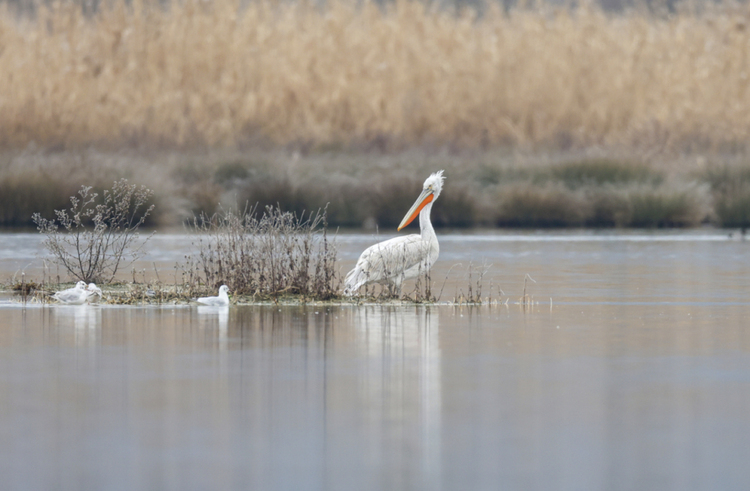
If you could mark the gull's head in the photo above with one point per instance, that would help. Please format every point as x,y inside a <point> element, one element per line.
<point>81,285</point>
<point>223,289</point>
<point>94,289</point>
<point>434,183</point>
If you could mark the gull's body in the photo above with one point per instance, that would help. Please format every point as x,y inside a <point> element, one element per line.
<point>401,258</point>
<point>73,296</point>
<point>220,301</point>
<point>93,291</point>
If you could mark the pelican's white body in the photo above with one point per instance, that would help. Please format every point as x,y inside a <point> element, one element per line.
<point>220,301</point>
<point>73,296</point>
<point>401,258</point>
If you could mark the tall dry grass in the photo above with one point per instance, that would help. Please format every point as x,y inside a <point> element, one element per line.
<point>213,73</point>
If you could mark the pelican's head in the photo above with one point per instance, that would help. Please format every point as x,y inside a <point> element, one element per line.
<point>223,289</point>
<point>431,189</point>
<point>434,183</point>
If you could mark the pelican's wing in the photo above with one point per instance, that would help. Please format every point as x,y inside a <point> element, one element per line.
<point>386,260</point>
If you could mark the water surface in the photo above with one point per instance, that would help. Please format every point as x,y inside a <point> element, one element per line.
<point>635,376</point>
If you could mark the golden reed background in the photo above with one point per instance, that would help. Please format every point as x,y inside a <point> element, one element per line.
<point>212,73</point>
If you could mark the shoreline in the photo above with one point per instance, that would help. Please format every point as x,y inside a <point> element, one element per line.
<point>15,298</point>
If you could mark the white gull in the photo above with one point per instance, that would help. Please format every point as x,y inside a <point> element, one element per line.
<point>220,301</point>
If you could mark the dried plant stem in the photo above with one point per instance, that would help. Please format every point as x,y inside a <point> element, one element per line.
<point>526,300</point>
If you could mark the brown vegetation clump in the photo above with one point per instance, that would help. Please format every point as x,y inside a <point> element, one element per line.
<point>265,255</point>
<point>222,73</point>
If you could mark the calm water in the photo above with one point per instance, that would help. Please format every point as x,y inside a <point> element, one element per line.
<point>635,376</point>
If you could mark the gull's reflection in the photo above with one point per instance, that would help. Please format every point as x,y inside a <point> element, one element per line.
<point>212,317</point>
<point>85,319</point>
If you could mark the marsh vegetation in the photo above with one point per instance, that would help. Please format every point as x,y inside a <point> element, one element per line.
<point>372,190</point>
<point>265,255</point>
<point>214,105</point>
<point>194,74</point>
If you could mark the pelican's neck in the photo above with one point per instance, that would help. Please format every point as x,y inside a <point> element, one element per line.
<point>425,225</point>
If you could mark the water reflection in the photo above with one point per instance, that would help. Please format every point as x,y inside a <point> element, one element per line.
<point>215,317</point>
<point>401,384</point>
<point>81,322</point>
<point>346,397</point>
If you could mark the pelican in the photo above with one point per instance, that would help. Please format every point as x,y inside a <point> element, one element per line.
<point>401,258</point>
<point>73,296</point>
<point>220,301</point>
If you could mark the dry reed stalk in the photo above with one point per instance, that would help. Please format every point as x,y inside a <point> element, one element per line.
<point>474,287</point>
<point>264,256</point>
<point>214,73</point>
<point>526,301</point>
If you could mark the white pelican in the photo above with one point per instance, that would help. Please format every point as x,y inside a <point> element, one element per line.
<point>73,296</point>
<point>220,301</point>
<point>401,258</point>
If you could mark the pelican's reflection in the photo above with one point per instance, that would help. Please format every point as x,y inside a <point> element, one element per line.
<point>403,374</point>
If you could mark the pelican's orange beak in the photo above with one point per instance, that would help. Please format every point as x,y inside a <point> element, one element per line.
<point>426,197</point>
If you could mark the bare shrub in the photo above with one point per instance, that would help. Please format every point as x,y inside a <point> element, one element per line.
<point>98,235</point>
<point>265,255</point>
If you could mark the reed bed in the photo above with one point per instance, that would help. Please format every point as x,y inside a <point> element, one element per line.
<point>218,73</point>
